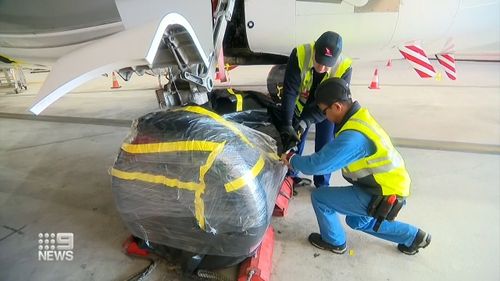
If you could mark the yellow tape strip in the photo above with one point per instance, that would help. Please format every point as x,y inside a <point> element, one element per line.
<point>273,156</point>
<point>199,188</point>
<point>199,210</point>
<point>158,179</point>
<point>242,181</point>
<point>239,99</point>
<point>198,201</point>
<point>218,118</point>
<point>170,147</point>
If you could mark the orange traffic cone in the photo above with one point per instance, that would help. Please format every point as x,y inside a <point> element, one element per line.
<point>374,83</point>
<point>389,63</point>
<point>115,82</point>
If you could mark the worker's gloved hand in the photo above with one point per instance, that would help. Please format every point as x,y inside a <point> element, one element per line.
<point>285,158</point>
<point>312,114</point>
<point>289,132</point>
<point>289,137</point>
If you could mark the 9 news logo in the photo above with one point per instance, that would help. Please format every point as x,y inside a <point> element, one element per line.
<point>55,246</point>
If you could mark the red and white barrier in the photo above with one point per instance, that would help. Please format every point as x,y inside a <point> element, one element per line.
<point>416,56</point>
<point>447,61</point>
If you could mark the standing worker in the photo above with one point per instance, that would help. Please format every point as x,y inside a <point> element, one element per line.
<point>369,161</point>
<point>309,64</point>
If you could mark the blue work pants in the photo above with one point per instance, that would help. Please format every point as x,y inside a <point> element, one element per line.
<point>353,202</point>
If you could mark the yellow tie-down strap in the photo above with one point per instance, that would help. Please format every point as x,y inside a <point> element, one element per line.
<point>250,175</point>
<point>175,146</point>
<point>180,146</point>
<point>239,99</point>
<point>219,119</point>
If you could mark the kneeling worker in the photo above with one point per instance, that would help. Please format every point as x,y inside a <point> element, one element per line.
<point>380,182</point>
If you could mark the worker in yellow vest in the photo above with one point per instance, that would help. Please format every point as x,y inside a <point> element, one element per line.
<point>369,161</point>
<point>309,64</point>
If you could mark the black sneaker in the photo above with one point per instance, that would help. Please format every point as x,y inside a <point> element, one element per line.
<point>316,241</point>
<point>421,241</point>
<point>301,182</point>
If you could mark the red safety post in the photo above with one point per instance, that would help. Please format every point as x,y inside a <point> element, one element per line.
<point>221,73</point>
<point>258,267</point>
<point>283,199</point>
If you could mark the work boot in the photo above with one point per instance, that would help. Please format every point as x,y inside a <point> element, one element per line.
<point>316,241</point>
<point>301,182</point>
<point>422,240</point>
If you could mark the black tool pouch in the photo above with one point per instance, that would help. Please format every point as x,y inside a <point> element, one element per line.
<point>374,204</point>
<point>396,207</point>
<point>382,209</point>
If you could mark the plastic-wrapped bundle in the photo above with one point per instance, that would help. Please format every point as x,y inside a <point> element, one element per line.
<point>191,180</point>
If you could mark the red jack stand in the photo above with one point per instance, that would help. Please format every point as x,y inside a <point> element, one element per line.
<point>258,267</point>
<point>131,248</point>
<point>286,192</point>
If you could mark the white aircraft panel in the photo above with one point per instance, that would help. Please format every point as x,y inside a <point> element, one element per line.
<point>273,28</point>
<point>359,33</point>
<point>425,21</point>
<point>476,29</point>
<point>314,8</point>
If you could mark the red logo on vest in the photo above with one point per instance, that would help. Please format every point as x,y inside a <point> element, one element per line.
<point>328,53</point>
<point>304,96</point>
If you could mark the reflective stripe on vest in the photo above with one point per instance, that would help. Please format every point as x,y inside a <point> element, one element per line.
<point>305,58</point>
<point>386,165</point>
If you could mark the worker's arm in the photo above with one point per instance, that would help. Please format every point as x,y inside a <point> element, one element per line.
<point>348,147</point>
<point>312,114</point>
<point>291,86</point>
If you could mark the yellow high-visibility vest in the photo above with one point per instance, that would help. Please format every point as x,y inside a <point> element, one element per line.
<point>385,169</point>
<point>305,58</point>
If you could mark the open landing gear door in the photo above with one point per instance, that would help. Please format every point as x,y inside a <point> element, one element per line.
<point>158,34</point>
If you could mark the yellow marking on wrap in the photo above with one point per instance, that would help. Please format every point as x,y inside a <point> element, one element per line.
<point>219,119</point>
<point>199,188</point>
<point>239,99</point>
<point>242,181</point>
<point>210,160</point>
<point>199,209</point>
<point>158,179</point>
<point>273,156</point>
<point>199,205</point>
<point>170,146</point>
